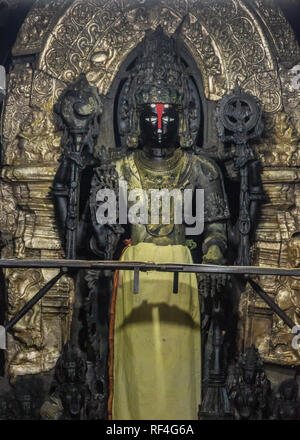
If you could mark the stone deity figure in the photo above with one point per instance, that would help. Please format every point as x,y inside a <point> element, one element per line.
<point>286,406</point>
<point>154,335</point>
<point>250,390</point>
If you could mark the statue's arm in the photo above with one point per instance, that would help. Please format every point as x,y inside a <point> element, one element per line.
<point>101,239</point>
<point>216,212</point>
<point>214,245</point>
<point>90,237</point>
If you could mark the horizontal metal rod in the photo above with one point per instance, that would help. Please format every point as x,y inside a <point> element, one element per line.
<point>174,268</point>
<point>147,266</point>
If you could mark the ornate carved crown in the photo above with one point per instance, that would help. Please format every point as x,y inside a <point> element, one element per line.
<point>159,74</point>
<point>251,360</point>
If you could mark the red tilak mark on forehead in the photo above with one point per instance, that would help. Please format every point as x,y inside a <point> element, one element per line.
<point>159,111</point>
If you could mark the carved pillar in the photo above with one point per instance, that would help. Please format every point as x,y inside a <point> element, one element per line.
<point>39,336</point>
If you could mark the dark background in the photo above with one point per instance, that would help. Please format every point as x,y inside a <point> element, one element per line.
<point>12,17</point>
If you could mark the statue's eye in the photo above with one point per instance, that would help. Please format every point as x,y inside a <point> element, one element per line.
<point>152,119</point>
<point>167,119</point>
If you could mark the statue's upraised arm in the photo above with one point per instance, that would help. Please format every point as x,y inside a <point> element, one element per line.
<point>79,108</point>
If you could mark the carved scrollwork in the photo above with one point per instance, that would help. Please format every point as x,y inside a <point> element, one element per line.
<point>16,108</point>
<point>99,53</point>
<point>279,31</point>
<point>291,93</point>
<point>37,26</point>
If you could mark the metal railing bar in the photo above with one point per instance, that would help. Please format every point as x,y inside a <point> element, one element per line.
<point>148,266</point>
<point>136,266</point>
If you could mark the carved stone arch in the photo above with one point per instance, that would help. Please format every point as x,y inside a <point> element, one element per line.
<point>96,37</point>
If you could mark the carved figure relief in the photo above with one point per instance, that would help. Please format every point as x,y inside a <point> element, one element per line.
<point>38,337</point>
<point>39,139</point>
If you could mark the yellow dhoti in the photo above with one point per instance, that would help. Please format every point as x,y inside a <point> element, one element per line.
<point>156,361</point>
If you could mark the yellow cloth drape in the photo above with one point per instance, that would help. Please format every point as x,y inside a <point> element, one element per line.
<point>157,353</point>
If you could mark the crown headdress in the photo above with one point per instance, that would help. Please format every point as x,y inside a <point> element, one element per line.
<point>159,74</point>
<point>251,360</point>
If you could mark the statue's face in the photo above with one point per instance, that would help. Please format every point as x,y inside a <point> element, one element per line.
<point>249,376</point>
<point>288,392</point>
<point>159,125</point>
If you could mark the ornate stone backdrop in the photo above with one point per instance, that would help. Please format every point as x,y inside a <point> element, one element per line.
<point>248,41</point>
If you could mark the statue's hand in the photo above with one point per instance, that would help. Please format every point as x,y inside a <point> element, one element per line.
<point>254,172</point>
<point>255,183</point>
<point>213,256</point>
<point>62,176</point>
<point>213,281</point>
<point>105,239</point>
<point>76,157</point>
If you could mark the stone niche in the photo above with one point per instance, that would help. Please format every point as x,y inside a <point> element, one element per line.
<point>248,41</point>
